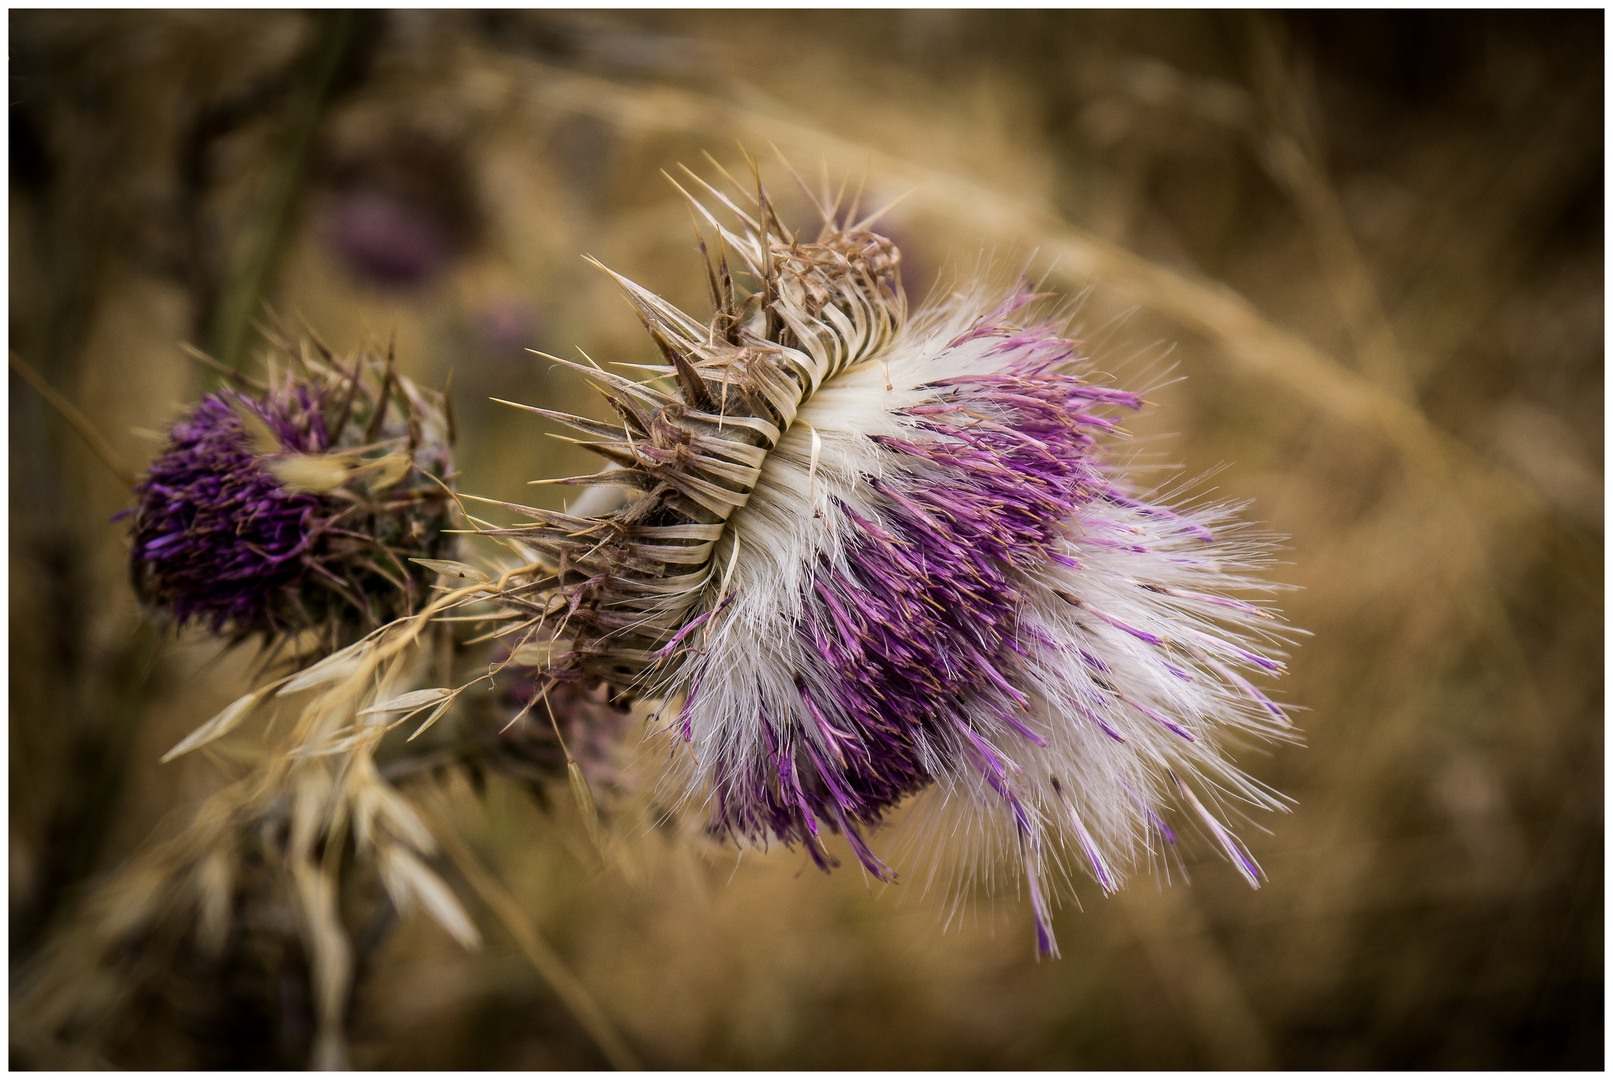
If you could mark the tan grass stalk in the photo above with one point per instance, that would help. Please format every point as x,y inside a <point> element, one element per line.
<point>567,987</point>
<point>77,421</point>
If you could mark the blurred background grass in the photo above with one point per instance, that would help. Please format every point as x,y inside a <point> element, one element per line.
<point>1372,243</point>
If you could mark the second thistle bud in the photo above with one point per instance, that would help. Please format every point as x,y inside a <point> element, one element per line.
<point>297,508</point>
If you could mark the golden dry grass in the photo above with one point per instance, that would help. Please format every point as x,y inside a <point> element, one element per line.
<point>1373,246</point>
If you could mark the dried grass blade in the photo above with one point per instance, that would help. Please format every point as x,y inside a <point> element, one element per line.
<point>334,667</point>
<point>220,725</point>
<point>408,879</point>
<point>329,952</point>
<point>436,714</point>
<point>412,701</point>
<point>450,568</point>
<point>572,993</point>
<point>583,795</point>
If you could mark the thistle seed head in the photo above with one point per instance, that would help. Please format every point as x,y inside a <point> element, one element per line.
<point>864,556</point>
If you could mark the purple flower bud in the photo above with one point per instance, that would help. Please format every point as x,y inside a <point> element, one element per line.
<point>505,326</point>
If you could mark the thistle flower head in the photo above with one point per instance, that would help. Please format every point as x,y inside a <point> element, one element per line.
<point>297,508</point>
<point>864,555</point>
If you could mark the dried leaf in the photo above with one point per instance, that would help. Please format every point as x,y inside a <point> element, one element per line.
<point>401,820</point>
<point>584,796</point>
<point>541,653</point>
<point>215,881</point>
<point>330,1051</point>
<point>328,947</point>
<point>449,568</point>
<point>218,726</point>
<point>337,665</point>
<point>413,700</point>
<point>309,811</point>
<point>261,435</point>
<point>332,746</point>
<point>365,805</point>
<point>312,473</point>
<point>134,902</point>
<point>408,879</point>
<point>389,470</point>
<point>436,714</point>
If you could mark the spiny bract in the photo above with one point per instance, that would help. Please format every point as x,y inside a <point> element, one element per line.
<point>861,555</point>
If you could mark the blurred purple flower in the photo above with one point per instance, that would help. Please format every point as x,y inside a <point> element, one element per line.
<point>387,239</point>
<point>216,536</point>
<point>591,722</point>
<point>400,205</point>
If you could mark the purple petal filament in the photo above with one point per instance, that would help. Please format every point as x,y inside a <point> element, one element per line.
<point>215,535</point>
<point>921,631</point>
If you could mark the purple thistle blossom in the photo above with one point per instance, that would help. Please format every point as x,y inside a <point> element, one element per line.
<point>923,630</point>
<point>876,556</point>
<point>226,538</point>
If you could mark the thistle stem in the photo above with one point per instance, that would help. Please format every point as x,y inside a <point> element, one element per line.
<point>232,323</point>
<point>77,421</point>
